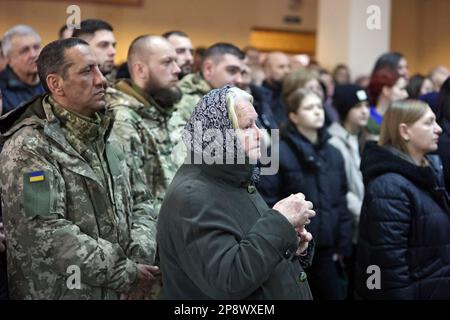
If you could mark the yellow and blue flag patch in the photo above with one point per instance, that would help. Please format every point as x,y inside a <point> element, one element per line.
<point>36,176</point>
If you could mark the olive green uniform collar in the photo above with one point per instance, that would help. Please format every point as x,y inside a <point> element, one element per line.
<point>130,88</point>
<point>194,83</point>
<point>81,131</point>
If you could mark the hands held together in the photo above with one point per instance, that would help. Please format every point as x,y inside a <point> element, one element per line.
<point>141,289</point>
<point>298,212</point>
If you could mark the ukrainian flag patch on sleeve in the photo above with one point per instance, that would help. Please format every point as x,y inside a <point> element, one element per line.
<point>36,176</point>
<point>37,193</point>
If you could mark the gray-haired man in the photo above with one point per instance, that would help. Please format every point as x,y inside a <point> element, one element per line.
<point>19,82</point>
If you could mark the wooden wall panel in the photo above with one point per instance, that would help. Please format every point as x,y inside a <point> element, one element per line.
<point>287,41</point>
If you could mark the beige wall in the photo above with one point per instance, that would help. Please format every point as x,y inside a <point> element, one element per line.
<point>343,35</point>
<point>421,30</point>
<point>332,32</point>
<point>366,45</point>
<point>206,21</point>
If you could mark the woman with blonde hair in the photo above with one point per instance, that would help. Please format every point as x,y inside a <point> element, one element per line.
<point>405,219</point>
<point>310,80</point>
<point>301,78</point>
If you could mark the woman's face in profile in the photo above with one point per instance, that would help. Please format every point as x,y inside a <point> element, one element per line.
<point>424,133</point>
<point>427,87</point>
<point>398,91</point>
<point>249,134</point>
<point>402,68</point>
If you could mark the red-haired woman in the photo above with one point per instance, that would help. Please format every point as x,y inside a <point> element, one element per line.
<point>385,87</point>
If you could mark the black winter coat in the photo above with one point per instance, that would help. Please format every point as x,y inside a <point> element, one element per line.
<point>279,109</point>
<point>218,239</point>
<point>318,172</point>
<point>404,228</point>
<point>444,151</point>
<point>262,98</point>
<point>15,92</point>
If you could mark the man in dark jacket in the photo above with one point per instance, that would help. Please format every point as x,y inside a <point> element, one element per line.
<point>19,82</point>
<point>217,238</point>
<point>276,67</point>
<point>262,98</point>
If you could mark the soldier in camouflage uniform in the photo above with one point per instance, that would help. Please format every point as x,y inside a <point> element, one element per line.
<point>67,197</point>
<point>142,109</point>
<point>183,48</point>
<point>222,65</point>
<point>194,87</point>
<point>100,36</point>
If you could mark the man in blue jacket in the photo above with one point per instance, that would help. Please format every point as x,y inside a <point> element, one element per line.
<point>19,82</point>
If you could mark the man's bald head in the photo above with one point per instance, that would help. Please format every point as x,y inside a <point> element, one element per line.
<point>438,76</point>
<point>144,46</point>
<point>152,62</point>
<point>276,66</point>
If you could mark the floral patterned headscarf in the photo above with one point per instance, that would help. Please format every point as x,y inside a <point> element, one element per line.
<point>211,115</point>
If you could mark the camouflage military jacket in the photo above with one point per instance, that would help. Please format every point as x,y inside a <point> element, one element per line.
<point>63,218</point>
<point>143,129</point>
<point>194,87</point>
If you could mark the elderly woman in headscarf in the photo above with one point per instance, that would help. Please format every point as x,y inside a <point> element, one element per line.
<point>217,237</point>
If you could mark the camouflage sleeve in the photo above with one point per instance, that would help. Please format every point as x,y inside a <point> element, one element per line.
<point>185,107</point>
<point>144,219</point>
<point>143,230</point>
<point>39,232</point>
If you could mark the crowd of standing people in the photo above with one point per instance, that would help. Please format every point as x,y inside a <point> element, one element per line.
<point>108,191</point>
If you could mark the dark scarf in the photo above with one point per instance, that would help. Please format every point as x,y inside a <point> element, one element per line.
<point>211,113</point>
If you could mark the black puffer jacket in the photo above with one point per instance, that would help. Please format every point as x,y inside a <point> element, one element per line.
<point>318,172</point>
<point>444,150</point>
<point>404,228</point>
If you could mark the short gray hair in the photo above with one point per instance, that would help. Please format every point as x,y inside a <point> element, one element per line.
<point>18,30</point>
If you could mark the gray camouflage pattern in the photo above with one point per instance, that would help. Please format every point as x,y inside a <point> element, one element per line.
<point>83,213</point>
